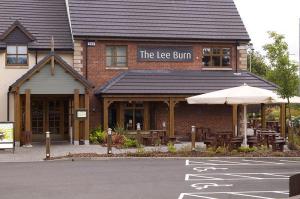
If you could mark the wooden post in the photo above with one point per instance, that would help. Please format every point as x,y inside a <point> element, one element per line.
<point>193,138</point>
<point>282,120</point>
<point>120,114</point>
<point>17,117</point>
<point>87,120</point>
<point>234,119</point>
<point>27,111</point>
<point>146,116</point>
<point>263,116</point>
<point>76,121</point>
<point>171,117</point>
<point>105,114</point>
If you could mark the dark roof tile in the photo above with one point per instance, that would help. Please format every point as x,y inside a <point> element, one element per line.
<point>43,19</point>
<point>190,19</point>
<point>179,82</point>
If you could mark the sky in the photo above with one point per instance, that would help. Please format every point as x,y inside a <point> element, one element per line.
<point>282,16</point>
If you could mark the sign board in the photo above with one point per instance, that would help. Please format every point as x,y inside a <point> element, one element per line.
<point>81,114</point>
<point>6,135</point>
<point>165,54</point>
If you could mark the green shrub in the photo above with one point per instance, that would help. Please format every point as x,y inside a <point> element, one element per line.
<point>221,150</point>
<point>140,150</point>
<point>119,130</point>
<point>171,147</point>
<point>130,143</point>
<point>294,141</point>
<point>98,136</point>
<point>245,149</point>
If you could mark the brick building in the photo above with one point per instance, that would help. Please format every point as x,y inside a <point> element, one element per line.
<point>119,63</point>
<point>145,57</point>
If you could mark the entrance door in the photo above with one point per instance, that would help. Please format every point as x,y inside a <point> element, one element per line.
<point>49,115</point>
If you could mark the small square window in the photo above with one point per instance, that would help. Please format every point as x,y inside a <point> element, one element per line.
<point>116,56</point>
<point>16,55</point>
<point>216,57</point>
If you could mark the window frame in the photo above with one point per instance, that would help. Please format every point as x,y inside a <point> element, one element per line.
<point>114,57</point>
<point>221,56</point>
<point>16,46</point>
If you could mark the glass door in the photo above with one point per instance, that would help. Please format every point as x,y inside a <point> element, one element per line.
<point>54,114</point>
<point>37,114</point>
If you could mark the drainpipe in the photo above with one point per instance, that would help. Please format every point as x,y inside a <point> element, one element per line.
<point>8,105</point>
<point>86,59</point>
<point>236,58</point>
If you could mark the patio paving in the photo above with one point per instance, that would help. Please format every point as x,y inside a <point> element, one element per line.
<point>37,152</point>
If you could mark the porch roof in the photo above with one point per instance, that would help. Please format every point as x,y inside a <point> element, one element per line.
<point>183,82</point>
<point>44,63</point>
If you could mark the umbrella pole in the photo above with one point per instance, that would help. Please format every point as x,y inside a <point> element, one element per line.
<point>245,126</point>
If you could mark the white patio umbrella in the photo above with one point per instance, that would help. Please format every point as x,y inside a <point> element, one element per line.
<point>240,95</point>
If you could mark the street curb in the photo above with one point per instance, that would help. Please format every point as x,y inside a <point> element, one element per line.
<point>162,158</point>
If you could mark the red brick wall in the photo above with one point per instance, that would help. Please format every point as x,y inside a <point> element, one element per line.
<point>98,74</point>
<point>215,117</point>
<point>185,115</point>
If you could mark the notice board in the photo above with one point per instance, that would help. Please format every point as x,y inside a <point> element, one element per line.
<point>6,135</point>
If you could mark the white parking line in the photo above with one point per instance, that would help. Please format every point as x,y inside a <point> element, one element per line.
<point>240,176</point>
<point>200,186</point>
<point>290,161</point>
<point>202,169</point>
<point>242,193</point>
<point>251,196</point>
<point>259,161</point>
<point>230,163</point>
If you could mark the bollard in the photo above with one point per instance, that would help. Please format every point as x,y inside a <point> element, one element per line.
<point>138,129</point>
<point>109,141</point>
<point>193,132</point>
<point>48,146</point>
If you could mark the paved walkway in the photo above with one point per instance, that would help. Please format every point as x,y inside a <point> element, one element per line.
<point>37,152</point>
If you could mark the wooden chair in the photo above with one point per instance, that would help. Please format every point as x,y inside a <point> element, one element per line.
<point>236,142</point>
<point>278,144</point>
<point>252,141</point>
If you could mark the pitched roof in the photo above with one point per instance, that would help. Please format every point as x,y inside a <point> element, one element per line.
<point>42,19</point>
<point>169,19</point>
<point>179,82</point>
<point>15,25</point>
<point>43,63</point>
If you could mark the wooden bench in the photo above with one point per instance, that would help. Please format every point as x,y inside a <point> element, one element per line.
<point>236,142</point>
<point>278,144</point>
<point>252,141</point>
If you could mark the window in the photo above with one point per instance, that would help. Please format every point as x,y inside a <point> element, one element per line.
<point>133,114</point>
<point>16,55</point>
<point>116,56</point>
<point>216,57</point>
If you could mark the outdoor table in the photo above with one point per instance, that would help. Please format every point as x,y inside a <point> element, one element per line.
<point>223,138</point>
<point>266,136</point>
<point>162,135</point>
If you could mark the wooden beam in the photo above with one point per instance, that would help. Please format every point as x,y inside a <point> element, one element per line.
<point>76,121</point>
<point>106,104</point>
<point>146,116</point>
<point>235,119</point>
<point>282,120</point>
<point>17,116</point>
<point>263,115</point>
<point>171,118</point>
<point>27,110</point>
<point>87,120</point>
<point>120,114</point>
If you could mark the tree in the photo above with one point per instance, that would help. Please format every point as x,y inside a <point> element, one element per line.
<point>258,64</point>
<point>283,71</point>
